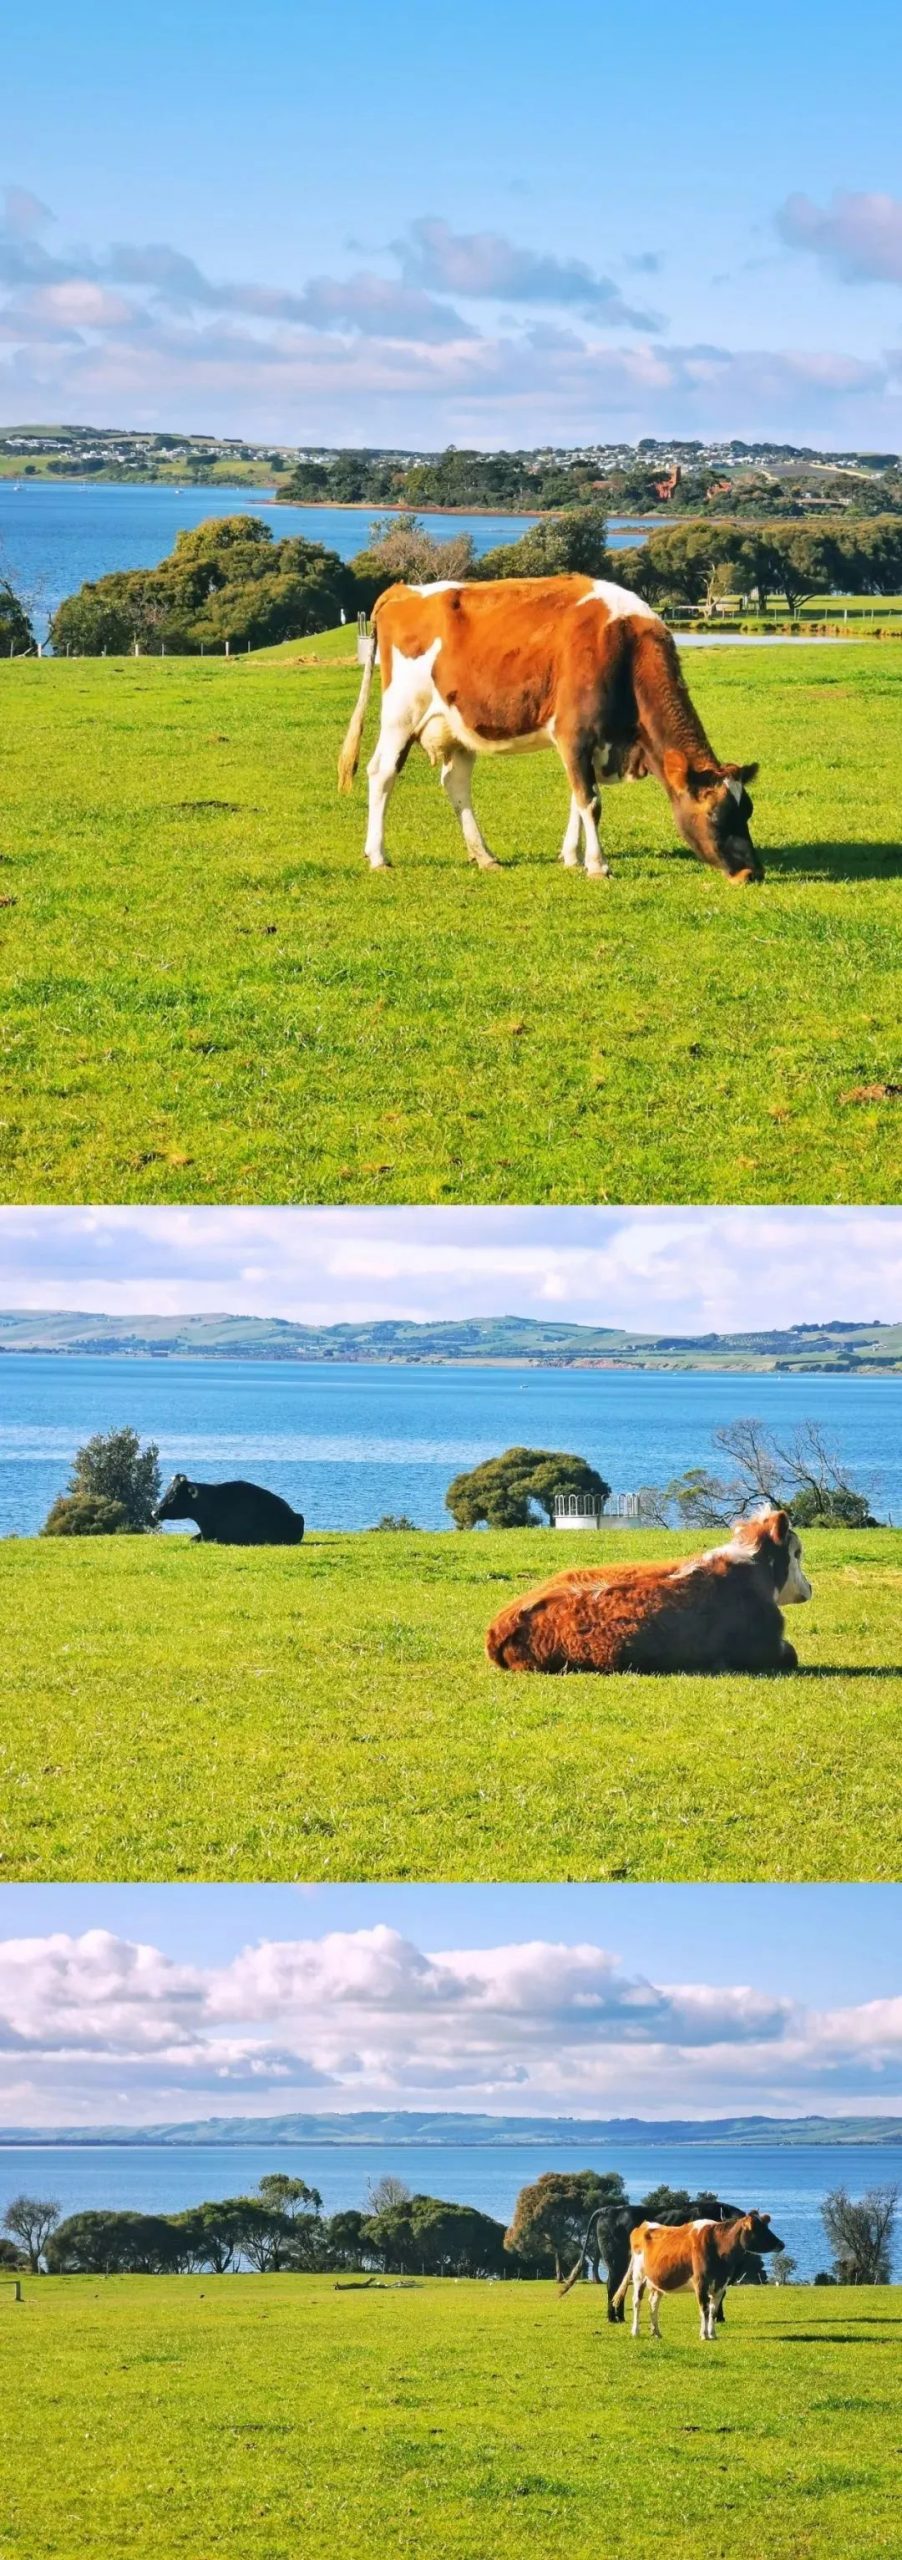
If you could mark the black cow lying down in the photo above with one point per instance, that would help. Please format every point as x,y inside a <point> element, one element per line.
<point>232,1515</point>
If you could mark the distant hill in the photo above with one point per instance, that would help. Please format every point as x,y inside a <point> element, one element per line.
<point>526,1341</point>
<point>477,2130</point>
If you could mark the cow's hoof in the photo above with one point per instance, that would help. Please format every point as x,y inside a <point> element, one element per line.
<point>598,871</point>
<point>378,862</point>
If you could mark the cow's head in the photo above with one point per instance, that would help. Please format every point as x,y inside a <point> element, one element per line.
<point>712,809</point>
<point>771,1539</point>
<point>177,1503</point>
<point>755,2235</point>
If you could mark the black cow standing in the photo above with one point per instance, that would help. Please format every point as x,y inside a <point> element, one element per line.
<point>607,2243</point>
<point>232,1515</point>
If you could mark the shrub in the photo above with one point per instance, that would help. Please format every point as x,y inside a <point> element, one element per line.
<point>86,1515</point>
<point>114,1472</point>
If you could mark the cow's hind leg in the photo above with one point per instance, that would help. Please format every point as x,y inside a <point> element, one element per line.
<point>457,778</point>
<point>653,2305</point>
<point>392,749</point>
<point>638,2291</point>
<point>577,759</point>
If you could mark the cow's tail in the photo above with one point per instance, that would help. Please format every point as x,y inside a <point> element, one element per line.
<point>576,2272</point>
<point>350,754</point>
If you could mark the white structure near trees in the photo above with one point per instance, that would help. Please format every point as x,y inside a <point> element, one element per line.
<point>582,1511</point>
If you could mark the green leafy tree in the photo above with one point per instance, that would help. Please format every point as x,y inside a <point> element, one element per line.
<point>227,579</point>
<point>343,2244</point>
<point>16,634</point>
<point>114,1486</point>
<point>30,2222</point>
<point>290,2196</point>
<point>549,2219</point>
<point>507,1492</point>
<point>109,2243</point>
<point>423,2235</point>
<point>576,541</point>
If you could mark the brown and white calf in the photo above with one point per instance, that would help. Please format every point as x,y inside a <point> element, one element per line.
<point>573,663</point>
<point>721,1611</point>
<point>692,2257</point>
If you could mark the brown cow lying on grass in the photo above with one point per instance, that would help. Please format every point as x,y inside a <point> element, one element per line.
<point>693,2257</point>
<point>577,664</point>
<point>716,1612</point>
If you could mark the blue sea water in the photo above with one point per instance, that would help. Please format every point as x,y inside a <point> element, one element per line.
<point>56,534</point>
<point>788,2184</point>
<point>346,1444</point>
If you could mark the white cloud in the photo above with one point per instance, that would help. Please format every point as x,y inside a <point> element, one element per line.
<point>366,2017</point>
<point>857,237</point>
<point>387,353</point>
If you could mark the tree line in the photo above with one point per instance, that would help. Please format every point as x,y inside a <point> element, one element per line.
<point>230,583</point>
<point>114,1486</point>
<point>525,483</point>
<point>281,2229</point>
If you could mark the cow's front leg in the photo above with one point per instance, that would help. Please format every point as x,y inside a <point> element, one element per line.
<point>392,749</point>
<point>570,848</point>
<point>457,778</point>
<point>577,759</point>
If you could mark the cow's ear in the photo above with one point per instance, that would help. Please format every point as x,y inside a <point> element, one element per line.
<point>780,1527</point>
<point>748,772</point>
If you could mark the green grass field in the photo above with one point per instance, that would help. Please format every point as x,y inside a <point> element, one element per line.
<point>207,996</point>
<point>173,1711</point>
<point>270,2418</point>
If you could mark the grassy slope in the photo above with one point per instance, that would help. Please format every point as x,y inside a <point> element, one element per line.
<point>207,996</point>
<point>271,2418</point>
<point>169,1712</point>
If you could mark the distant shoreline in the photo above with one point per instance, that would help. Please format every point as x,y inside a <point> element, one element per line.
<point>717,1365</point>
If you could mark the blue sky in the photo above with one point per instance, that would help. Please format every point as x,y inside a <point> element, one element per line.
<point>505,227</point>
<point>132,2004</point>
<point>692,1270</point>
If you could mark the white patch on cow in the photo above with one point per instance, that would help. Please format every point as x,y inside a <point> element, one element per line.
<point>796,1587</point>
<point>733,784</point>
<point>705,2223</point>
<point>436,587</point>
<point>620,601</point>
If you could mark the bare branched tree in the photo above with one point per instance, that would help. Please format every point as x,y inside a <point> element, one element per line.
<point>861,2234</point>
<point>383,2193</point>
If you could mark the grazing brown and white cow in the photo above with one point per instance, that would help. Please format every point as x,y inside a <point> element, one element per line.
<point>573,663</point>
<point>693,2257</point>
<point>715,1612</point>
